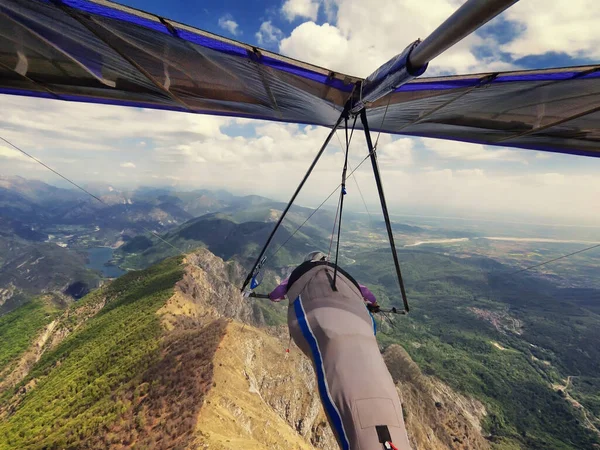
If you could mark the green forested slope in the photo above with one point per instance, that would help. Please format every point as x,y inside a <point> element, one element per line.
<point>508,341</point>
<point>19,328</point>
<point>87,388</point>
<point>223,237</point>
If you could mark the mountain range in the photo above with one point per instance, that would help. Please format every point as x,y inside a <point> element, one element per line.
<point>170,355</point>
<point>173,357</point>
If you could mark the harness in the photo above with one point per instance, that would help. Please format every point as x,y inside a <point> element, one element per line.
<point>308,265</point>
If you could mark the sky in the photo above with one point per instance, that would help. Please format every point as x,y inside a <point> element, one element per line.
<point>128,147</point>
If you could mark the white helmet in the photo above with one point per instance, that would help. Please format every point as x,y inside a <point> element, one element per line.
<point>316,256</point>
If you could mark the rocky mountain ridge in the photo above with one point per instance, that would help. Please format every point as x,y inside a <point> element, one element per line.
<point>220,379</point>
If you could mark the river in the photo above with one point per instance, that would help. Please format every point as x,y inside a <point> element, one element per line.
<point>98,257</point>
<point>494,238</point>
<point>437,241</point>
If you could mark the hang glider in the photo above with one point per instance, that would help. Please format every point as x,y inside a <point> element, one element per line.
<point>101,52</point>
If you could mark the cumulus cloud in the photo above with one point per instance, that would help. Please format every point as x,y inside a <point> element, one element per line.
<point>12,154</point>
<point>267,158</point>
<point>479,192</point>
<point>332,50</point>
<point>395,152</point>
<point>473,152</point>
<point>268,34</point>
<point>361,36</point>
<point>128,165</point>
<point>228,24</point>
<point>305,9</point>
<point>557,26</point>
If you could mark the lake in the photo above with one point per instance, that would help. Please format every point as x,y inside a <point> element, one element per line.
<point>98,257</point>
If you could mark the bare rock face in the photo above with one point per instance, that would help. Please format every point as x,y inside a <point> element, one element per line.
<point>6,293</point>
<point>265,397</point>
<point>250,392</point>
<point>213,283</point>
<point>436,416</point>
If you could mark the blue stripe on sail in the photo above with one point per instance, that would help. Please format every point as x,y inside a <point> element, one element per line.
<point>203,40</point>
<point>441,84</point>
<point>374,323</point>
<point>116,13</point>
<point>330,408</point>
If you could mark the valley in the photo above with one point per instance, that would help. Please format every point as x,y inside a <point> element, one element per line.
<point>524,346</point>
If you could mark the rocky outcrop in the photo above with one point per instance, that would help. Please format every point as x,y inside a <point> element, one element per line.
<point>265,397</point>
<point>212,286</point>
<point>222,380</point>
<point>6,293</point>
<point>436,416</point>
<point>262,397</point>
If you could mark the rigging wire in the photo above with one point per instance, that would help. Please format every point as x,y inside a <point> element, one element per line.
<point>389,319</point>
<point>291,202</point>
<point>321,205</point>
<point>382,121</point>
<point>51,169</point>
<point>357,185</point>
<point>156,235</point>
<point>335,189</point>
<point>337,210</point>
<point>342,195</point>
<point>384,209</point>
<point>555,259</point>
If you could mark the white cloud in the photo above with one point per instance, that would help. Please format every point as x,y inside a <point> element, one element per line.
<point>395,153</point>
<point>268,158</point>
<point>60,127</point>
<point>128,165</point>
<point>333,47</point>
<point>553,196</point>
<point>228,24</point>
<point>268,34</point>
<point>12,154</point>
<point>306,9</point>
<point>550,179</point>
<point>555,26</point>
<point>361,36</point>
<point>473,152</point>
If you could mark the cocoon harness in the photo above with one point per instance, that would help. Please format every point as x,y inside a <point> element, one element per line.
<point>335,330</point>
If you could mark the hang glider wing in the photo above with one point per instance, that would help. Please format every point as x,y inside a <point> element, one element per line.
<point>102,52</point>
<point>555,110</point>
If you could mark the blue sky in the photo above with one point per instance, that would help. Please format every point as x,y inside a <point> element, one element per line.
<point>349,36</point>
<point>205,14</point>
<point>249,15</point>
